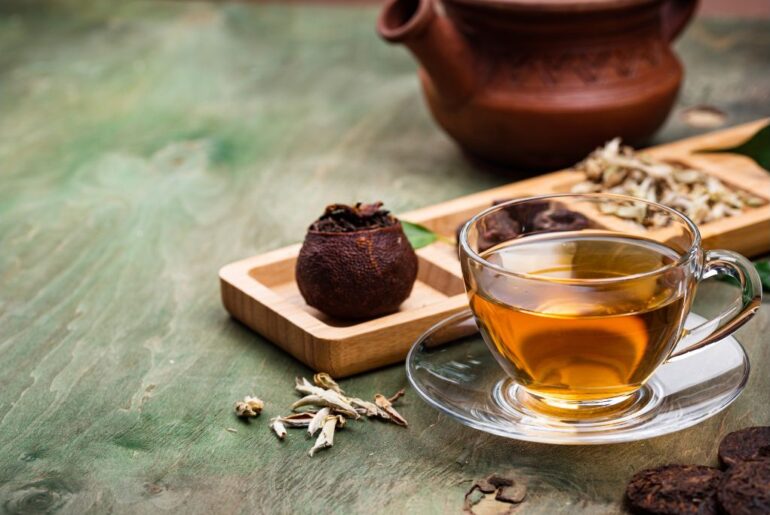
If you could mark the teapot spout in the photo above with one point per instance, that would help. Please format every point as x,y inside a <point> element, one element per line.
<point>433,39</point>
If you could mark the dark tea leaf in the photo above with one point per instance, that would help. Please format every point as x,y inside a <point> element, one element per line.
<point>757,148</point>
<point>418,235</point>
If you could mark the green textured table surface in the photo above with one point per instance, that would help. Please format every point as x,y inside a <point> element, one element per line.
<point>142,146</point>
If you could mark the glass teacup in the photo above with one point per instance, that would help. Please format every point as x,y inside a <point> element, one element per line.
<point>580,308</point>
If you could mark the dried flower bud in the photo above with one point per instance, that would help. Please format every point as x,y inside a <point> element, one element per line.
<point>324,380</point>
<point>249,407</point>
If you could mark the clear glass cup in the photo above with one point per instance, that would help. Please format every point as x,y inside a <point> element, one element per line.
<point>580,307</point>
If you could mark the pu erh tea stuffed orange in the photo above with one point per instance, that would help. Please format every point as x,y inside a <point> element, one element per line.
<point>356,262</point>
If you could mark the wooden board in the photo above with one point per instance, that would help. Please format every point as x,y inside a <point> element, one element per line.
<point>261,291</point>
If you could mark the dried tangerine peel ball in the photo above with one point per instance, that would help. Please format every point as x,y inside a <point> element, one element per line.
<point>680,489</point>
<point>746,444</point>
<point>356,262</point>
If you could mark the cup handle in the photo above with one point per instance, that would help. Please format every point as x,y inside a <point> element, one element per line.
<point>725,262</point>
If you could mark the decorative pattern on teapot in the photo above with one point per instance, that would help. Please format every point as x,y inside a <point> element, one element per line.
<point>577,68</point>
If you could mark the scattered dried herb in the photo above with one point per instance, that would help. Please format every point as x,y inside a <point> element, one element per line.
<point>318,421</point>
<point>615,168</point>
<point>326,437</point>
<point>499,481</point>
<point>301,419</point>
<point>278,428</point>
<point>364,407</point>
<point>505,488</point>
<point>324,380</point>
<point>249,407</point>
<point>318,396</point>
<point>334,408</point>
<point>385,405</point>
<point>513,494</point>
<point>756,147</point>
<point>396,396</point>
<point>485,486</point>
<point>703,116</point>
<point>472,498</point>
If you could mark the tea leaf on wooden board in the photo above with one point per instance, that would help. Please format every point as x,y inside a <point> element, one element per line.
<point>763,267</point>
<point>418,235</point>
<point>756,147</point>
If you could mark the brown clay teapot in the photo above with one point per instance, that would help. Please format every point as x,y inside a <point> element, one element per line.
<point>540,83</point>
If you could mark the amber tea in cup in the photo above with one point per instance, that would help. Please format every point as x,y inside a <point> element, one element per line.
<point>593,349</point>
<point>581,314</point>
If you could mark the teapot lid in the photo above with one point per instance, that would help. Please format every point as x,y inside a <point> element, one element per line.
<point>554,5</point>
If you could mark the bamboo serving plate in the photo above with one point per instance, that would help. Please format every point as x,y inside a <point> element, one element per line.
<point>261,291</point>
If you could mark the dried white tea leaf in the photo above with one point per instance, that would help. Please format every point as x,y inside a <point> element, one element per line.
<point>615,168</point>
<point>364,407</point>
<point>396,396</point>
<point>318,421</point>
<point>326,437</point>
<point>278,427</point>
<point>324,380</point>
<point>703,116</point>
<point>304,386</point>
<point>334,409</point>
<point>329,399</point>
<point>249,407</point>
<point>302,419</point>
<point>308,400</point>
<point>385,405</point>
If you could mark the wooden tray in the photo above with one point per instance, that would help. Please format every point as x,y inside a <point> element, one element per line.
<point>261,292</point>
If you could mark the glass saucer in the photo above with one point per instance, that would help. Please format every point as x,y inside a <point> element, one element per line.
<point>453,371</point>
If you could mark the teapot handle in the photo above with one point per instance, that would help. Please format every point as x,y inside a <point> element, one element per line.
<point>675,14</point>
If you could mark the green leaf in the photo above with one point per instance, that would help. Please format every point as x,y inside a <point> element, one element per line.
<point>757,148</point>
<point>418,235</point>
<point>763,267</point>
